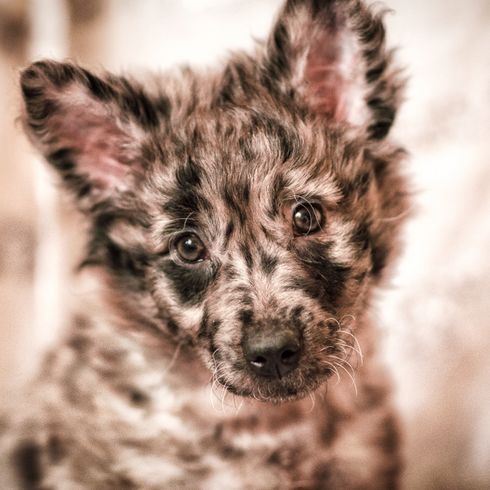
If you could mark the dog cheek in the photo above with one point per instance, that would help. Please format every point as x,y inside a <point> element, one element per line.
<point>189,285</point>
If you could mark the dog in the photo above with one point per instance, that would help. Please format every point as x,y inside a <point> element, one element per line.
<point>239,222</point>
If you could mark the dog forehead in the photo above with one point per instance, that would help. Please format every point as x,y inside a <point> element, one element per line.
<point>251,171</point>
<point>220,162</point>
<point>239,144</point>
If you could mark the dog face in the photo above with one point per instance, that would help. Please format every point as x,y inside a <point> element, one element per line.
<point>245,211</point>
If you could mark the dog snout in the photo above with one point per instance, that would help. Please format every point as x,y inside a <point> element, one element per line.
<point>273,354</point>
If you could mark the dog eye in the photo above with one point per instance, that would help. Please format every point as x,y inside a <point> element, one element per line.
<point>189,248</point>
<point>307,218</point>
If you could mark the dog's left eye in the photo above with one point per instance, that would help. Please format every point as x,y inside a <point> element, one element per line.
<point>307,218</point>
<point>189,248</point>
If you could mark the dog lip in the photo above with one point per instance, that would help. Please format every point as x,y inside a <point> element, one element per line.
<point>278,389</point>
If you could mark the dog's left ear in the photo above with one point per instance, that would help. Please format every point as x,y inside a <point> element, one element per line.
<point>331,55</point>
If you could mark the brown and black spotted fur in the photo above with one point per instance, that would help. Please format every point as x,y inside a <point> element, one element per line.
<point>151,387</point>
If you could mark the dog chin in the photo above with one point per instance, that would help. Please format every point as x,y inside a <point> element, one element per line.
<point>276,391</point>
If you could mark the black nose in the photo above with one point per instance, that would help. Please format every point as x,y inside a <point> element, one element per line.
<point>272,355</point>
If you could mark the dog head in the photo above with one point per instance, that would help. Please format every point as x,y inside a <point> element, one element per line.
<point>249,210</point>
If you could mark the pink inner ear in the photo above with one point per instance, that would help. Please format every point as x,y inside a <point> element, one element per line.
<point>102,157</point>
<point>325,83</point>
<point>333,76</point>
<point>101,149</point>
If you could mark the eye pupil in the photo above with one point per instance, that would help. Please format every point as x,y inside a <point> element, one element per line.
<point>302,218</point>
<point>190,248</point>
<point>306,219</point>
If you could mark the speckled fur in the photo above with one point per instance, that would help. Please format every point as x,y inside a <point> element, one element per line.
<point>150,387</point>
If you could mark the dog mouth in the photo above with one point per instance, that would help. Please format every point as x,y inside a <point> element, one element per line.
<point>278,385</point>
<point>275,389</point>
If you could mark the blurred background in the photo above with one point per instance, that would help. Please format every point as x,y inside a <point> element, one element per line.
<point>434,317</point>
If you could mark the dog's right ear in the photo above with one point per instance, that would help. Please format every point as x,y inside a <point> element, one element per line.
<point>89,128</point>
<point>332,54</point>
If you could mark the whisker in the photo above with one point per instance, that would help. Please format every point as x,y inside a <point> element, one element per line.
<point>356,341</point>
<point>173,360</point>
<point>359,360</point>
<point>240,405</point>
<point>223,400</point>
<point>340,360</point>
<point>313,401</point>
<point>352,317</point>
<point>350,376</point>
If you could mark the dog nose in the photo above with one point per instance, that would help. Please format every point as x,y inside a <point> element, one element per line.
<point>273,355</point>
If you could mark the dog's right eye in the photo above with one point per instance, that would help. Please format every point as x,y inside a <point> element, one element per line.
<point>307,219</point>
<point>189,248</point>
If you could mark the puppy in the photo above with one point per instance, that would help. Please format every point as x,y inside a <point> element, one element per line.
<point>238,221</point>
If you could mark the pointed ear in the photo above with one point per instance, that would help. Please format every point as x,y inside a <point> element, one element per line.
<point>89,128</point>
<point>331,53</point>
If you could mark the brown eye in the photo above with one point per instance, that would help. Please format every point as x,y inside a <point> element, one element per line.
<point>190,248</point>
<point>307,218</point>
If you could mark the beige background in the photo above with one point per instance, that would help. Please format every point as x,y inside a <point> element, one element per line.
<point>435,318</point>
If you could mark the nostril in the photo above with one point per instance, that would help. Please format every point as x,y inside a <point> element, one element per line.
<point>259,361</point>
<point>289,356</point>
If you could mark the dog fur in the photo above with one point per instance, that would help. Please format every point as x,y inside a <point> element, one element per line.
<point>151,386</point>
